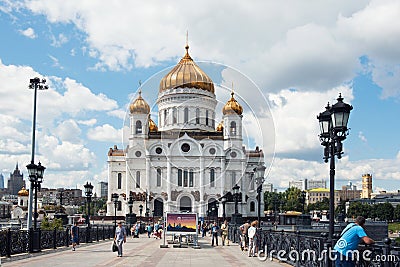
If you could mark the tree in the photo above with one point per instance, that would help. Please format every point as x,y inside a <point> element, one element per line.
<point>50,225</point>
<point>383,211</point>
<point>396,213</point>
<point>319,205</point>
<point>293,199</point>
<point>359,209</point>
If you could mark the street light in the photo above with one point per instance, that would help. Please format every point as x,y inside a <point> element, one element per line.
<point>259,178</point>
<point>114,198</point>
<point>88,193</point>
<point>35,177</point>
<point>303,200</point>
<point>35,84</point>
<point>147,212</point>
<point>140,211</point>
<point>236,217</point>
<point>223,201</point>
<point>333,125</point>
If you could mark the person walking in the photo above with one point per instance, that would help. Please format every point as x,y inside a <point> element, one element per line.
<point>204,229</point>
<point>252,238</point>
<point>347,244</point>
<point>120,237</point>
<point>244,237</point>
<point>149,229</point>
<point>75,235</point>
<point>224,233</point>
<point>214,234</point>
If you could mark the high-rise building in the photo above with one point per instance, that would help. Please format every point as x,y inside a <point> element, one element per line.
<point>349,192</point>
<point>16,181</point>
<point>366,186</point>
<point>1,181</point>
<point>187,162</point>
<point>268,187</point>
<point>300,184</point>
<point>308,184</point>
<point>102,189</point>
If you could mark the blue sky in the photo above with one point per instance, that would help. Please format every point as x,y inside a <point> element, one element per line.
<point>300,54</point>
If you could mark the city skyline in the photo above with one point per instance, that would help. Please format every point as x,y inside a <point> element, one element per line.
<point>302,56</point>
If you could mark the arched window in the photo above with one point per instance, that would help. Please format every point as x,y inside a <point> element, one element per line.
<point>174,116</point>
<point>233,128</point>
<point>186,115</point>
<point>179,177</point>
<point>185,178</point>
<point>207,117</point>
<point>138,127</point>
<point>252,206</point>
<point>251,182</point>
<point>158,177</point>
<point>137,179</point>
<point>119,206</point>
<point>213,119</point>
<point>119,181</point>
<point>197,116</point>
<point>212,178</point>
<point>165,117</point>
<point>191,178</point>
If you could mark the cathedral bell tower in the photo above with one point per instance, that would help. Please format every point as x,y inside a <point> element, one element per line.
<point>232,123</point>
<point>139,117</point>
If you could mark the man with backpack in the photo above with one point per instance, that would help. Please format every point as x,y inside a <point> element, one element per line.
<point>245,238</point>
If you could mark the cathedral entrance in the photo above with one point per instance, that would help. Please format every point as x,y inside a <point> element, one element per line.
<point>212,209</point>
<point>185,204</point>
<point>158,207</point>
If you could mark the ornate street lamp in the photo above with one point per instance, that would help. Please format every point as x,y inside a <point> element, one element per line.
<point>36,178</point>
<point>88,193</point>
<point>130,204</point>
<point>236,197</point>
<point>114,198</point>
<point>333,125</point>
<point>259,178</point>
<point>223,201</point>
<point>35,84</point>
<point>217,209</point>
<point>147,212</point>
<point>140,211</point>
<point>303,200</point>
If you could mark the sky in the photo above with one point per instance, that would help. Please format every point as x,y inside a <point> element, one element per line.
<point>286,60</point>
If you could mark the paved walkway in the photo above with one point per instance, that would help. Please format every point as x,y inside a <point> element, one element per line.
<point>145,251</point>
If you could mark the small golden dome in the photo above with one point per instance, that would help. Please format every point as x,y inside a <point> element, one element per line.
<point>186,74</point>
<point>232,107</point>
<point>139,106</point>
<point>152,126</point>
<point>23,192</point>
<point>220,126</point>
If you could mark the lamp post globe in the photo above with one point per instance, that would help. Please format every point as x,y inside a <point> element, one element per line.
<point>223,201</point>
<point>88,193</point>
<point>140,210</point>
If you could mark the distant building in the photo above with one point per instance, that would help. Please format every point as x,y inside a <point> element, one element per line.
<point>16,181</point>
<point>300,184</point>
<point>1,181</point>
<point>318,194</point>
<point>307,184</point>
<point>268,187</point>
<point>51,196</point>
<point>102,189</point>
<point>349,192</point>
<point>312,184</point>
<point>366,185</point>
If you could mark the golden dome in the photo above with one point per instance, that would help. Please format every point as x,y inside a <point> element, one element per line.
<point>139,106</point>
<point>152,126</point>
<point>220,126</point>
<point>186,74</point>
<point>23,192</point>
<point>232,107</point>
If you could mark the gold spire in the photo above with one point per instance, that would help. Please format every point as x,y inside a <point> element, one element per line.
<point>186,74</point>
<point>23,192</point>
<point>152,126</point>
<point>220,127</point>
<point>139,106</point>
<point>232,106</point>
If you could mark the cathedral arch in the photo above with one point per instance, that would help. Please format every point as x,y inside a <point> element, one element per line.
<point>252,206</point>
<point>158,207</point>
<point>212,178</point>
<point>197,116</point>
<point>186,115</point>
<point>119,180</point>
<point>185,202</point>
<point>232,128</point>
<point>137,179</point>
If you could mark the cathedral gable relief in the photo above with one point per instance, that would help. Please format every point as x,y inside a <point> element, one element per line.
<point>164,195</point>
<point>196,195</point>
<point>175,194</point>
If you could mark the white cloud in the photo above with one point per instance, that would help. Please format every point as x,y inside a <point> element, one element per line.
<point>59,41</point>
<point>56,62</point>
<point>105,133</point>
<point>90,122</point>
<point>362,137</point>
<point>68,130</point>
<point>29,32</point>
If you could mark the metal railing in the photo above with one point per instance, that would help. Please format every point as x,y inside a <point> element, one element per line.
<point>301,249</point>
<point>20,241</point>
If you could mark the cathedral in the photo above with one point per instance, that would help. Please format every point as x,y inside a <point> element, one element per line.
<point>187,163</point>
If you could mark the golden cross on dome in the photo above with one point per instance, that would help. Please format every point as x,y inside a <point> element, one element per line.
<point>140,87</point>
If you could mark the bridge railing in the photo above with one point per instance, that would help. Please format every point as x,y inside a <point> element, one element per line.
<point>304,249</point>
<point>19,241</point>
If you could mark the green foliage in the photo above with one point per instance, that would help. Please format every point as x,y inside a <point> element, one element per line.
<point>50,225</point>
<point>394,227</point>
<point>396,213</point>
<point>290,200</point>
<point>320,205</point>
<point>381,211</point>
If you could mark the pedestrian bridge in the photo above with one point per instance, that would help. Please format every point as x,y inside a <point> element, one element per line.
<point>141,251</point>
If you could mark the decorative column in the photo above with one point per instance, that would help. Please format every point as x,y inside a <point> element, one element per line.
<point>148,172</point>
<point>168,184</point>
<point>201,171</point>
